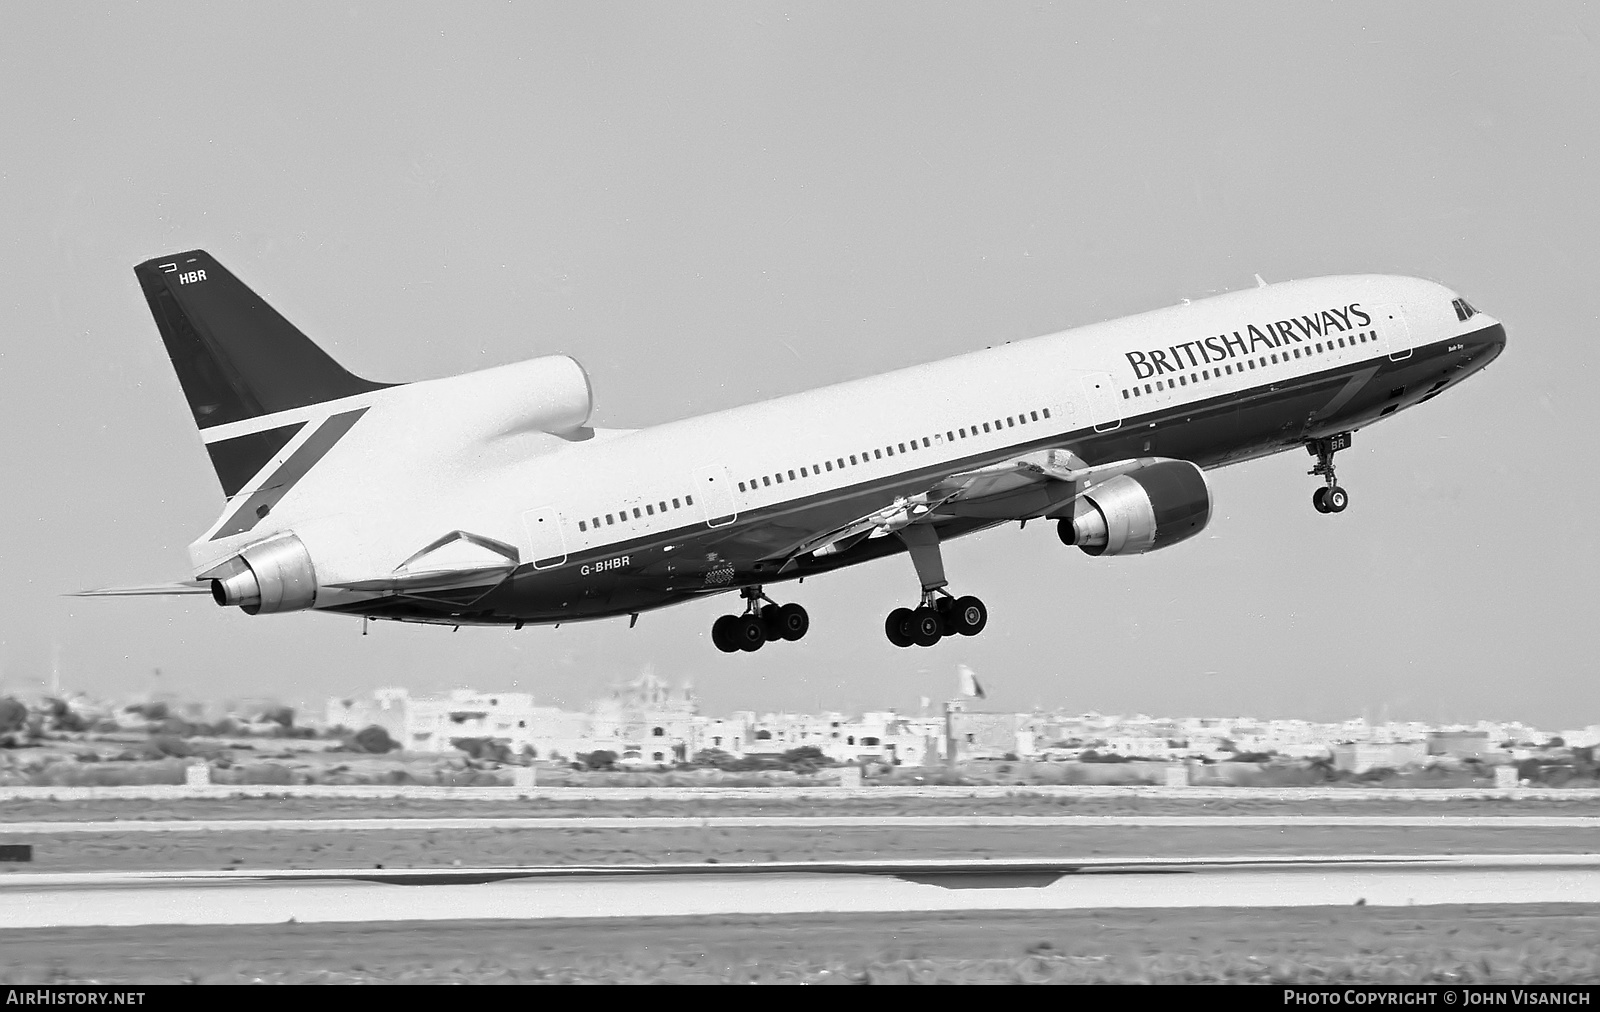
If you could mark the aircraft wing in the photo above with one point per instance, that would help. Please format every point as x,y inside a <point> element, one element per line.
<point>1037,484</point>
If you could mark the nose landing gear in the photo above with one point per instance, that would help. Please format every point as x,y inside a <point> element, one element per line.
<point>1330,498</point>
<point>760,624</point>
<point>940,614</point>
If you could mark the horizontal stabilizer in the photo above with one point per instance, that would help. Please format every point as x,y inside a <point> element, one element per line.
<point>149,590</point>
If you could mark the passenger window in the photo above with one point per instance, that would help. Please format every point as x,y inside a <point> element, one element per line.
<point>1274,360</point>
<point>767,482</point>
<point>741,486</point>
<point>1035,415</point>
<point>903,447</point>
<point>791,476</point>
<point>802,473</point>
<point>648,509</point>
<point>1047,412</point>
<point>608,520</point>
<point>663,506</point>
<point>986,426</point>
<point>1135,391</point>
<point>877,454</point>
<point>841,463</point>
<point>1159,387</point>
<point>1124,395</point>
<point>582,526</point>
<point>1010,423</point>
<point>779,476</point>
<point>852,460</point>
<point>829,464</point>
<point>674,504</point>
<point>963,433</point>
<point>636,512</point>
<point>925,443</point>
<point>595,523</point>
<point>688,500</point>
<point>950,437</point>
<point>1183,381</point>
<point>1147,388</point>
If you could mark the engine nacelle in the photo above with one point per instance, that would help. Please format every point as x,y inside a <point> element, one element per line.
<point>1151,507</point>
<point>268,576</point>
<point>549,394</point>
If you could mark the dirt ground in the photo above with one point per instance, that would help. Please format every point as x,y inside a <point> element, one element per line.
<point>1020,804</point>
<point>1457,945</point>
<point>400,848</point>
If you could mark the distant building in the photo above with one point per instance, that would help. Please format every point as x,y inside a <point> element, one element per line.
<point>1361,756</point>
<point>987,735</point>
<point>1462,744</point>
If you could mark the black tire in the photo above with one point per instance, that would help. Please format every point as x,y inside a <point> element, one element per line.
<point>897,627</point>
<point>970,615</point>
<point>751,633</point>
<point>926,628</point>
<point>1336,500</point>
<point>946,607</point>
<point>724,635</point>
<point>1319,499</point>
<point>793,622</point>
<point>771,622</point>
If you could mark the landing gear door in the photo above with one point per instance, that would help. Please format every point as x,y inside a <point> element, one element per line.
<point>1101,396</point>
<point>714,489</point>
<point>1394,336</point>
<point>547,543</point>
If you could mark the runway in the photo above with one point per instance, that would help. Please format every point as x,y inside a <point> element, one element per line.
<point>524,894</point>
<point>807,822</point>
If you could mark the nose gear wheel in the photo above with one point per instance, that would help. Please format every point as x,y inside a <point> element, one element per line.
<point>1330,498</point>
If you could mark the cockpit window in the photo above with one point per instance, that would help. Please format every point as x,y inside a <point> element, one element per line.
<point>1464,310</point>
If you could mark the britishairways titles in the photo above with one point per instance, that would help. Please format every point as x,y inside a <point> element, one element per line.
<point>1222,347</point>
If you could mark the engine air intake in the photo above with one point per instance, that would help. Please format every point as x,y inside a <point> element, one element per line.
<point>1152,507</point>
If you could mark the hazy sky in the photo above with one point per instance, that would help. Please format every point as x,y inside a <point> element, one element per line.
<point>709,204</point>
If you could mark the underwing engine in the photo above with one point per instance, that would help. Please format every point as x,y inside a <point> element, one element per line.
<point>269,576</point>
<point>1139,511</point>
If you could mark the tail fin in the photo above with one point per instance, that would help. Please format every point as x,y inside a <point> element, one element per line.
<point>237,359</point>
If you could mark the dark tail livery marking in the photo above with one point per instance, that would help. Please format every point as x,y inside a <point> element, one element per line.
<point>260,503</point>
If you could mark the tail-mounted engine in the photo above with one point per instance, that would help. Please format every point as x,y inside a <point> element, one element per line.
<point>271,575</point>
<point>1151,507</point>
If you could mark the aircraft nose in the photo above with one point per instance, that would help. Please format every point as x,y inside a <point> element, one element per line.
<point>1492,340</point>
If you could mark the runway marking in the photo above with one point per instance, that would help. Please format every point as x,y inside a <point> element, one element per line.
<point>806,822</point>
<point>91,899</point>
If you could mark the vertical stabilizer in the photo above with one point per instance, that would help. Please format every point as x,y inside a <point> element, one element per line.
<point>237,359</point>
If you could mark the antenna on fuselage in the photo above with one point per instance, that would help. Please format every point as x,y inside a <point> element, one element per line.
<point>1259,282</point>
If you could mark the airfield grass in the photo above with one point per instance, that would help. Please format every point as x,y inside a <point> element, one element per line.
<point>263,850</point>
<point>1551,944</point>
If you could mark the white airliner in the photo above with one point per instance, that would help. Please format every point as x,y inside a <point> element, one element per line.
<point>488,499</point>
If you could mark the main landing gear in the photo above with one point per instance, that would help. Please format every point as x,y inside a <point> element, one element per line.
<point>760,624</point>
<point>1330,498</point>
<point>940,613</point>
